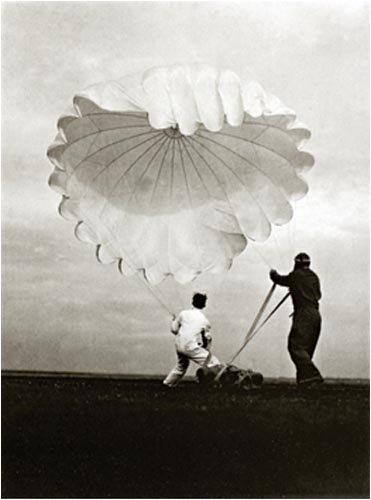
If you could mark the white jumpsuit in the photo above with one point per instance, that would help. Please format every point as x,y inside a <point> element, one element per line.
<point>188,328</point>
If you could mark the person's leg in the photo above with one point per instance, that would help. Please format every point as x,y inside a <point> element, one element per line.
<point>203,357</point>
<point>178,371</point>
<point>302,341</point>
<point>316,330</point>
<point>305,368</point>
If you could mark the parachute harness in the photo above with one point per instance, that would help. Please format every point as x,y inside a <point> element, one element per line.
<point>154,292</point>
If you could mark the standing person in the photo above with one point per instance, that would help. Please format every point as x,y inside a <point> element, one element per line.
<point>304,286</point>
<point>192,341</point>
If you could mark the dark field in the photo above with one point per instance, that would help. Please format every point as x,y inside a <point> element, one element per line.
<point>81,437</point>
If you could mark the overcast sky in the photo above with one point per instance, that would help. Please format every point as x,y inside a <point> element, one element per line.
<point>61,310</point>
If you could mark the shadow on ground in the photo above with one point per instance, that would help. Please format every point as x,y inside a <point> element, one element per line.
<point>111,438</point>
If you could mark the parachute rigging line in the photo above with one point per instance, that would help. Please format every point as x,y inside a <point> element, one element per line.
<point>144,282</point>
<point>251,329</point>
<point>262,258</point>
<point>269,316</point>
<point>156,294</point>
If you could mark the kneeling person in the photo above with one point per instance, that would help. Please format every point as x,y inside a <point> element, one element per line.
<point>192,341</point>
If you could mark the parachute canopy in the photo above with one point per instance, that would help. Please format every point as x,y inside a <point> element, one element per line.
<point>171,171</point>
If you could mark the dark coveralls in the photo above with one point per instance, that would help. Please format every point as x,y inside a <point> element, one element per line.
<point>305,292</point>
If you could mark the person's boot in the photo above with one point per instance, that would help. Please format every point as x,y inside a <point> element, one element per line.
<point>310,382</point>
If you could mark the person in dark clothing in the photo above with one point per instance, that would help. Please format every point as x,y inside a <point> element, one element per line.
<point>305,290</point>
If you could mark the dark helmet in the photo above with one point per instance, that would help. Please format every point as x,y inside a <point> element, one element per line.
<point>302,259</point>
<point>199,300</point>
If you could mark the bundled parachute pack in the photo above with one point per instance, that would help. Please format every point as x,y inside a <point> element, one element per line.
<point>231,377</point>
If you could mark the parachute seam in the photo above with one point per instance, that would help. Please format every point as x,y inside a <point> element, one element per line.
<point>212,172</point>
<point>185,175</point>
<point>265,128</point>
<point>285,162</point>
<point>247,161</point>
<point>125,172</point>
<point>113,234</point>
<point>71,143</point>
<point>142,174</point>
<point>241,180</point>
<point>201,179</point>
<point>269,125</point>
<point>232,151</point>
<point>96,135</point>
<point>238,178</point>
<point>158,174</point>
<point>189,197</point>
<point>78,165</point>
<point>172,173</point>
<point>196,169</point>
<point>112,161</point>
<point>113,144</point>
<point>131,265</point>
<point>218,181</point>
<point>107,166</point>
<point>257,144</point>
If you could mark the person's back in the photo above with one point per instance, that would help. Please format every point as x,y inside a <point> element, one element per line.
<point>305,288</point>
<point>189,326</point>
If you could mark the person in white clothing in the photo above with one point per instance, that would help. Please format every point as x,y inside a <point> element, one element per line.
<point>192,341</point>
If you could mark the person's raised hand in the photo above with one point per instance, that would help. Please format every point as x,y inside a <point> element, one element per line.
<point>272,272</point>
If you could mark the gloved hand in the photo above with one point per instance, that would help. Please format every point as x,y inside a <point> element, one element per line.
<point>272,273</point>
<point>206,339</point>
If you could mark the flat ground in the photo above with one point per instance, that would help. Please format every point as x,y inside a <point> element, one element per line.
<point>76,437</point>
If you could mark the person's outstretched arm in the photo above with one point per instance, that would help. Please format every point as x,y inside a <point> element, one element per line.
<point>279,279</point>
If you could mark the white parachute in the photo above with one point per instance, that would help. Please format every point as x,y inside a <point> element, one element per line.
<point>172,171</point>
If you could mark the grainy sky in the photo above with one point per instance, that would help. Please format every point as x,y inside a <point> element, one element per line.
<point>61,310</point>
